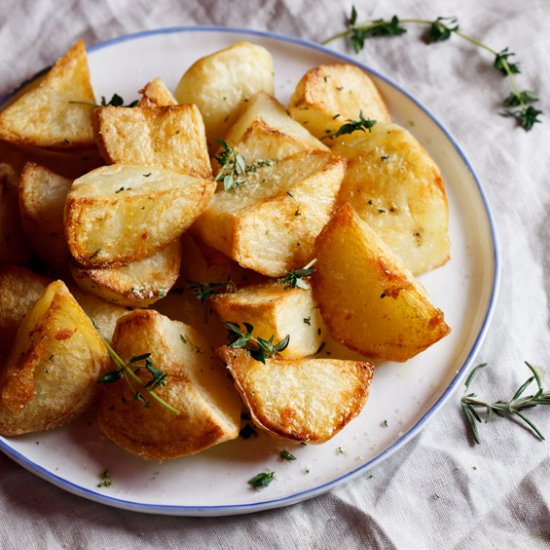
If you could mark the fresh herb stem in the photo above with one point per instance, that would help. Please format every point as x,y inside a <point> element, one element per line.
<point>472,406</point>
<point>259,348</point>
<point>295,278</point>
<point>126,371</point>
<point>518,104</point>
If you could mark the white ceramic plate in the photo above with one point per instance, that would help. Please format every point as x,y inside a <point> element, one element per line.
<point>404,396</point>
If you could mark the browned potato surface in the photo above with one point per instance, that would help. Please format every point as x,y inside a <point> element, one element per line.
<point>156,94</point>
<point>137,284</point>
<point>328,95</point>
<point>308,400</point>
<point>119,214</point>
<point>394,185</point>
<point>196,385</point>
<point>171,137</point>
<point>55,112</point>
<point>274,310</point>
<point>51,373</point>
<point>369,300</point>
<point>42,195</point>
<point>221,83</point>
<point>269,223</point>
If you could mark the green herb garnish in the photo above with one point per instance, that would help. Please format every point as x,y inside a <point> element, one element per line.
<point>258,348</point>
<point>294,279</point>
<point>285,455</point>
<point>128,371</point>
<point>105,479</point>
<point>471,404</point>
<point>115,101</point>
<point>204,290</point>
<point>233,166</point>
<point>260,481</point>
<point>440,30</point>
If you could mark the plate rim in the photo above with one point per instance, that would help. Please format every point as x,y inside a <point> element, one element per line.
<point>235,509</point>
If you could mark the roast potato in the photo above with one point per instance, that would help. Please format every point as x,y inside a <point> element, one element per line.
<point>20,288</point>
<point>171,137</point>
<point>369,300</point>
<point>221,83</point>
<point>156,94</point>
<point>196,385</point>
<point>42,195</point>
<point>307,400</point>
<point>394,185</point>
<point>274,310</point>
<point>119,214</point>
<point>265,131</point>
<point>56,111</point>
<point>14,247</point>
<point>269,223</point>
<point>137,284</point>
<point>51,373</point>
<point>328,95</point>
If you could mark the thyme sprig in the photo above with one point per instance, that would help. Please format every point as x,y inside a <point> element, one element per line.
<point>361,125</point>
<point>258,348</point>
<point>233,166</point>
<point>203,291</point>
<point>472,405</point>
<point>128,371</point>
<point>440,30</point>
<point>115,101</point>
<point>295,279</point>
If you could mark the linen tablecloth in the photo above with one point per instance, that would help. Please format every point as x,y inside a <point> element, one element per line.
<point>438,491</point>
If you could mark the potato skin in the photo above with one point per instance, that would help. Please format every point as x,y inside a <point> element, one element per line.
<point>221,83</point>
<point>307,400</point>
<point>394,185</point>
<point>123,213</point>
<point>50,375</point>
<point>369,301</point>
<point>328,95</point>
<point>44,116</point>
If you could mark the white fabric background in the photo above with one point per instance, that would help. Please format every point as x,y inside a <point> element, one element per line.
<point>439,491</point>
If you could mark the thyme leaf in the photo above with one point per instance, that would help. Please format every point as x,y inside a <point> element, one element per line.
<point>440,30</point>
<point>203,291</point>
<point>294,279</point>
<point>262,480</point>
<point>259,348</point>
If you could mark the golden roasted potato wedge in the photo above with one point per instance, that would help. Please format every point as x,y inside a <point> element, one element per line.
<point>203,264</point>
<point>269,223</point>
<point>50,375</point>
<point>119,214</point>
<point>156,94</point>
<point>136,284</point>
<point>13,244</point>
<point>55,112</point>
<point>394,185</point>
<point>369,300</point>
<point>196,385</point>
<point>222,82</point>
<point>265,131</point>
<point>21,288</point>
<point>328,95</point>
<point>307,400</point>
<point>171,137</point>
<point>42,195</point>
<point>274,310</point>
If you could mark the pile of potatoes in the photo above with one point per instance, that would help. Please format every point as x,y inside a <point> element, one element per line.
<point>105,210</point>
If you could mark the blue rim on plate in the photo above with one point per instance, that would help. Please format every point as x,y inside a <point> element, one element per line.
<point>405,438</point>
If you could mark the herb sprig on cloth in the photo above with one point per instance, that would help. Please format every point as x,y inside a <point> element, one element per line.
<point>474,407</point>
<point>519,105</point>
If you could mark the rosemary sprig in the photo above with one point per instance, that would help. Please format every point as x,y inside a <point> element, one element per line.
<point>440,30</point>
<point>233,166</point>
<point>294,279</point>
<point>128,372</point>
<point>115,101</point>
<point>203,291</point>
<point>472,405</point>
<point>259,348</point>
